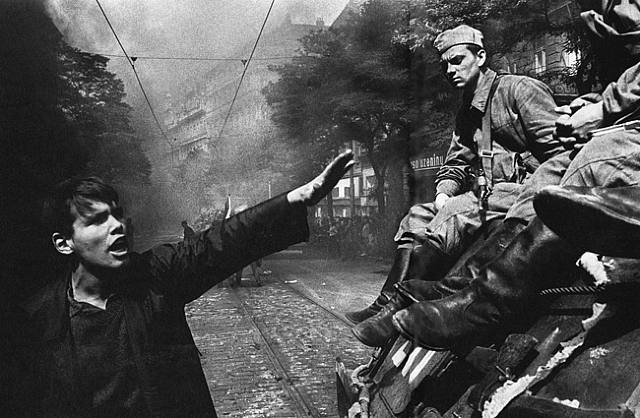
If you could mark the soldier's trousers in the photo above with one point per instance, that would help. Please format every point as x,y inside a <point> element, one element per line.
<point>452,228</point>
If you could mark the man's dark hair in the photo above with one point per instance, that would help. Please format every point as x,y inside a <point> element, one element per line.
<point>77,193</point>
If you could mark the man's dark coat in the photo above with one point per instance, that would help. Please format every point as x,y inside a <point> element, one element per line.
<point>156,287</point>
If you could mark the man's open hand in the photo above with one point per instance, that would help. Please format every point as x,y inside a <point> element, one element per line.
<point>312,192</point>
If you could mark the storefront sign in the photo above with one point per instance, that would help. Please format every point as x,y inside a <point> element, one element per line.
<point>426,163</point>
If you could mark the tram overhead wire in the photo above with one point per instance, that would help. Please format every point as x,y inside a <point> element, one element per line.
<point>170,58</point>
<point>244,70</point>
<point>135,72</point>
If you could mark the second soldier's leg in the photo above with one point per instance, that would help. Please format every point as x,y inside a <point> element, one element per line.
<point>595,208</point>
<point>550,172</point>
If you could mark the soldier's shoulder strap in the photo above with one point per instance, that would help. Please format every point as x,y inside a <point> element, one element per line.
<point>485,144</point>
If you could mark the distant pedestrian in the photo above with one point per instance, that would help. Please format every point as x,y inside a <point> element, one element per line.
<point>367,237</point>
<point>189,233</point>
<point>334,240</point>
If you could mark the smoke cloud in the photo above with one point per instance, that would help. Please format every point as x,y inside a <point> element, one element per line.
<point>177,28</point>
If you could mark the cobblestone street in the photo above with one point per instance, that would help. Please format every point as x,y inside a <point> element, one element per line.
<point>269,351</point>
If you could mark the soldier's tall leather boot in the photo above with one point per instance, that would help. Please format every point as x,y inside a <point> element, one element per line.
<point>497,294</point>
<point>378,329</point>
<point>424,260</point>
<point>479,254</point>
<point>603,220</point>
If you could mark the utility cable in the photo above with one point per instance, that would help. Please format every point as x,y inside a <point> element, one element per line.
<point>244,70</point>
<point>144,93</point>
<point>151,57</point>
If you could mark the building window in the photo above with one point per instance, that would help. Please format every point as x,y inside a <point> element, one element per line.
<point>540,62</point>
<point>570,59</point>
<point>347,192</point>
<point>335,193</point>
<point>371,182</point>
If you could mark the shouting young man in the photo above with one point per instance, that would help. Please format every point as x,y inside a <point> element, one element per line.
<point>109,337</point>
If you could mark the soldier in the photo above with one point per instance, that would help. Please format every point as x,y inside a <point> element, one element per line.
<point>504,289</point>
<point>503,130</point>
<point>109,336</point>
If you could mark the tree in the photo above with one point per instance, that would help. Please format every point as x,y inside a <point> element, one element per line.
<point>350,83</point>
<point>92,101</point>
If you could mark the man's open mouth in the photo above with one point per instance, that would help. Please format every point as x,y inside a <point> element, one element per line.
<point>119,246</point>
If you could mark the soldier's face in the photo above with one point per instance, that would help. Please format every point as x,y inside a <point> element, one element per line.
<point>461,66</point>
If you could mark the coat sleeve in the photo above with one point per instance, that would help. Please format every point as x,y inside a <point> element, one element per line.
<point>622,97</point>
<point>535,107</point>
<point>452,176</point>
<point>188,269</point>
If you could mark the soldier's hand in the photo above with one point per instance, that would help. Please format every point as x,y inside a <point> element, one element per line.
<point>312,192</point>
<point>573,130</point>
<point>578,103</point>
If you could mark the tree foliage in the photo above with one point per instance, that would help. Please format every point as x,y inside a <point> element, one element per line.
<point>92,100</point>
<point>350,83</point>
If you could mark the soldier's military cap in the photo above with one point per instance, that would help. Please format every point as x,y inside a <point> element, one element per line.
<point>462,34</point>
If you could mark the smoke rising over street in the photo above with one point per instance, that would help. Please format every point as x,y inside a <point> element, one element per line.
<point>162,37</point>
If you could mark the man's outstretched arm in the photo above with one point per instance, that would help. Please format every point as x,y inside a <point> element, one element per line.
<point>187,270</point>
<point>312,192</point>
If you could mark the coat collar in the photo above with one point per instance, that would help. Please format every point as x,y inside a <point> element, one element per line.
<point>483,87</point>
<point>48,309</point>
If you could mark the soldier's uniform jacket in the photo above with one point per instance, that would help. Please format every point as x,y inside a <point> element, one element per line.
<point>621,99</point>
<point>522,121</point>
<point>157,370</point>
